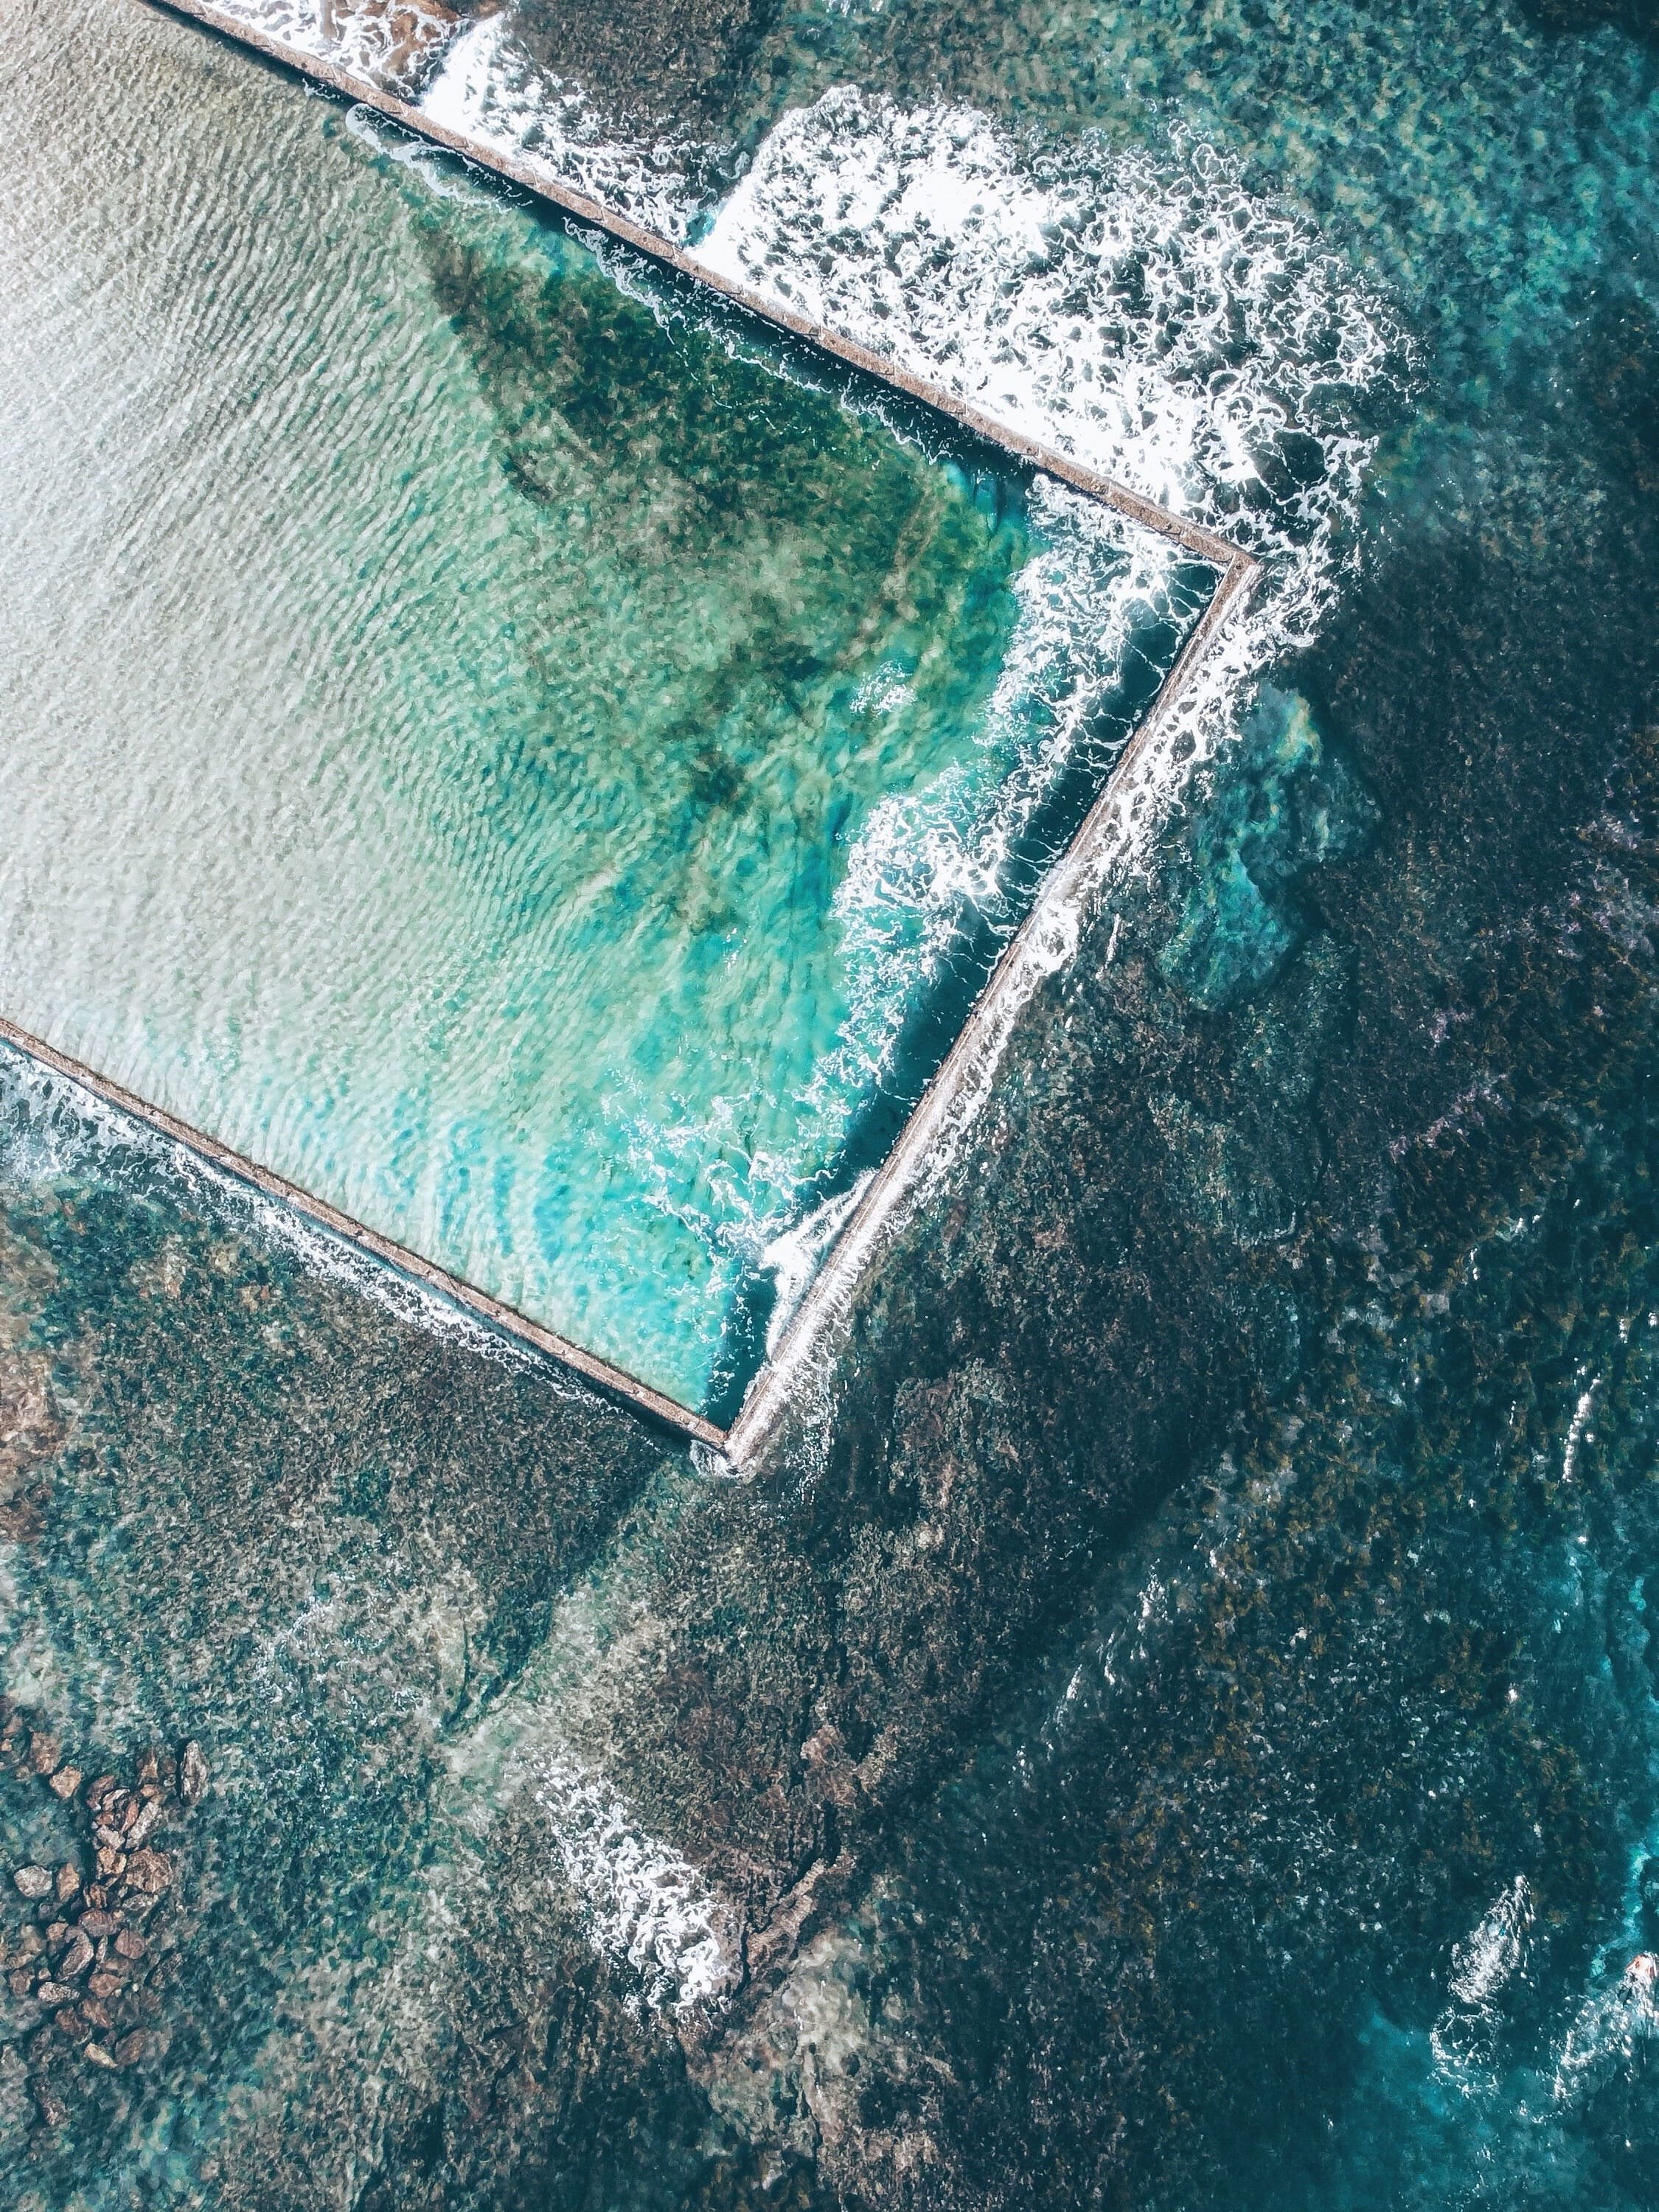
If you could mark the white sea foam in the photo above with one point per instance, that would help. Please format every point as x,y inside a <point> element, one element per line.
<point>646,1904</point>
<point>926,861</point>
<point>792,1258</point>
<point>372,41</point>
<point>1610,2026</point>
<point>1464,2038</point>
<point>1149,315</point>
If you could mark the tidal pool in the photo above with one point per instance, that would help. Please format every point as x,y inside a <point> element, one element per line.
<point>525,761</point>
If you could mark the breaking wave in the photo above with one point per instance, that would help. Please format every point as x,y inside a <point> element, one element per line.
<point>397,46</point>
<point>1153,318</point>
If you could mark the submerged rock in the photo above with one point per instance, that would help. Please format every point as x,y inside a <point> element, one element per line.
<point>44,1752</point>
<point>32,1882</point>
<point>193,1776</point>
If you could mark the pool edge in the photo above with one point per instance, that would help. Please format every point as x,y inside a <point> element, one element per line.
<point>978,1043</point>
<point>614,1381</point>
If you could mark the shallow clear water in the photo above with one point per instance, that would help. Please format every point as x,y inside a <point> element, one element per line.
<point>483,741</point>
<point>1175,1722</point>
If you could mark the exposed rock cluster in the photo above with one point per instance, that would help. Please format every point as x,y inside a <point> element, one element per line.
<point>85,1971</point>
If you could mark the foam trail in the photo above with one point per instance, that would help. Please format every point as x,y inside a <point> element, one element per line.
<point>646,1904</point>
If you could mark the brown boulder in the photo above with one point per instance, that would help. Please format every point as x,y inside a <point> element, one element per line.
<point>151,1871</point>
<point>149,1813</point>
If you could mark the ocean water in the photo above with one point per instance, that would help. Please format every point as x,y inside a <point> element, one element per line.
<point>1174,1721</point>
<point>486,741</point>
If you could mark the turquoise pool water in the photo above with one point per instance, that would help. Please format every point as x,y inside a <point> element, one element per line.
<point>520,758</point>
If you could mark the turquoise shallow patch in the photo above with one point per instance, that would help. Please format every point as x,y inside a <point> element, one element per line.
<point>528,764</point>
